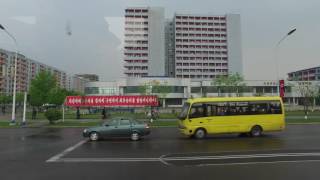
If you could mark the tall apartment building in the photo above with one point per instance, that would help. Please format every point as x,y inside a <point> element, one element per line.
<point>169,48</point>
<point>207,46</point>
<point>310,74</point>
<point>144,48</point>
<point>196,46</point>
<point>27,70</point>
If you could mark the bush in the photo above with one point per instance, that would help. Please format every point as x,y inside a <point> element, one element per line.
<point>53,115</point>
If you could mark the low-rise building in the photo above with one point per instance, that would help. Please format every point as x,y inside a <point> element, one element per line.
<point>181,89</point>
<point>310,74</point>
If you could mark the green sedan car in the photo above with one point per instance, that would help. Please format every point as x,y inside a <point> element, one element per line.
<point>118,127</point>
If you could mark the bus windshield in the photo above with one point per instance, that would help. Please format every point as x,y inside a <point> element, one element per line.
<point>184,111</point>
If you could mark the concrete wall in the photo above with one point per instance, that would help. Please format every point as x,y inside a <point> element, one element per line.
<point>156,64</point>
<point>234,43</point>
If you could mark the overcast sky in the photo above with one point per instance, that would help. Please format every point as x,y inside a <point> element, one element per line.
<point>94,46</point>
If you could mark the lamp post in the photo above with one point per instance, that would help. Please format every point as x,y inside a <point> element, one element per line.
<point>13,117</point>
<point>276,57</point>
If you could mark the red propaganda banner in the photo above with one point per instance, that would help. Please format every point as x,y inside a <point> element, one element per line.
<point>77,101</point>
<point>281,88</point>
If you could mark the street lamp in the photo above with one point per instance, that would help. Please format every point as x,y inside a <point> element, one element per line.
<point>13,117</point>
<point>276,58</point>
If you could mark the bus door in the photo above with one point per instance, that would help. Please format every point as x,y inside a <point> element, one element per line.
<point>215,116</point>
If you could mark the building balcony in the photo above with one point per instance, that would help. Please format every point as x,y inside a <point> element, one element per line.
<point>135,64</point>
<point>135,71</point>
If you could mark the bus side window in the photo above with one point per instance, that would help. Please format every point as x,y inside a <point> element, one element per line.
<point>275,107</point>
<point>211,109</point>
<point>197,110</point>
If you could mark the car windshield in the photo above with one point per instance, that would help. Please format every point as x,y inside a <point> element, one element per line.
<point>184,111</point>
<point>111,122</point>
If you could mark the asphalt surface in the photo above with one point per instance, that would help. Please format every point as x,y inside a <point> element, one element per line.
<point>49,153</point>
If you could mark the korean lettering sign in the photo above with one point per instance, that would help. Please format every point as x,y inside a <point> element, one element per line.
<point>77,101</point>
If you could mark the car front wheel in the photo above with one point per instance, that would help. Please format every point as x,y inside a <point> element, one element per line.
<point>94,136</point>
<point>135,136</point>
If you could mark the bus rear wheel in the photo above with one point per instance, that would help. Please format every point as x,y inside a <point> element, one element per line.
<point>256,131</point>
<point>200,133</point>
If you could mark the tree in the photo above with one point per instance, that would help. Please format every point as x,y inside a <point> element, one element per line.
<point>308,93</point>
<point>4,100</point>
<point>156,87</point>
<point>232,83</point>
<point>57,96</point>
<point>41,87</point>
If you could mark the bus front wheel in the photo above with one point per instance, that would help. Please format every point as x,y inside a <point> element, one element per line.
<point>200,133</point>
<point>256,131</point>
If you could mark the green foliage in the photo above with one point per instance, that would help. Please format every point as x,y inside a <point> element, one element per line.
<point>74,93</point>
<point>44,90</point>
<point>232,83</point>
<point>53,115</point>
<point>143,89</point>
<point>19,98</point>
<point>308,93</point>
<point>155,87</point>
<point>4,99</point>
<point>57,96</point>
<point>41,87</point>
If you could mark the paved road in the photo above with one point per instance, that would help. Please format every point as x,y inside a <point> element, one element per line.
<point>165,154</point>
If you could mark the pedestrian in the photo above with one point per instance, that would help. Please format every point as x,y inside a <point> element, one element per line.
<point>34,113</point>
<point>3,109</point>
<point>104,113</point>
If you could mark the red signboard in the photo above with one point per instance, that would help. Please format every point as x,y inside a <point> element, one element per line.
<point>77,101</point>
<point>281,88</point>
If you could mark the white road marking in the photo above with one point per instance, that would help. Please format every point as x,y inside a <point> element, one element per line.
<point>254,163</point>
<point>65,152</point>
<point>193,158</point>
<point>108,160</point>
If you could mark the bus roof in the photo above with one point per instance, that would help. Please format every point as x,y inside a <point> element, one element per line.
<point>225,99</point>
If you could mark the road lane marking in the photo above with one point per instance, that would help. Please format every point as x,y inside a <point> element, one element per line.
<point>66,151</point>
<point>108,160</point>
<point>257,163</point>
<point>249,156</point>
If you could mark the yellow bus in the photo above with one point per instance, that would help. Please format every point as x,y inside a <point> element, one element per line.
<point>244,115</point>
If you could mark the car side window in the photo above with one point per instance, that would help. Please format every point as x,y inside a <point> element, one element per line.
<point>125,122</point>
<point>114,122</point>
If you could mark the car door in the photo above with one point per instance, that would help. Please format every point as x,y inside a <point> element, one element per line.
<point>110,128</point>
<point>124,129</point>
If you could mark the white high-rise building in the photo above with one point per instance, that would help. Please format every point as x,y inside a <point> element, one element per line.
<point>207,46</point>
<point>199,47</point>
<point>144,46</point>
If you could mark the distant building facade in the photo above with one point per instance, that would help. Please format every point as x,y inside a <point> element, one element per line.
<point>144,50</point>
<point>310,74</point>
<point>195,46</point>
<point>182,89</point>
<point>207,46</point>
<point>27,69</point>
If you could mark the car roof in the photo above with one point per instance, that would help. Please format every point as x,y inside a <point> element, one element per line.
<point>122,118</point>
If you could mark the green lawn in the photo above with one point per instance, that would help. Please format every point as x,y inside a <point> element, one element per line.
<point>116,114</point>
<point>4,124</point>
<point>88,120</point>
<point>301,113</point>
<point>75,123</point>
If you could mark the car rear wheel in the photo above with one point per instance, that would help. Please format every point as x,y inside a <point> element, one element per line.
<point>94,136</point>
<point>135,136</point>
<point>256,131</point>
<point>200,133</point>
